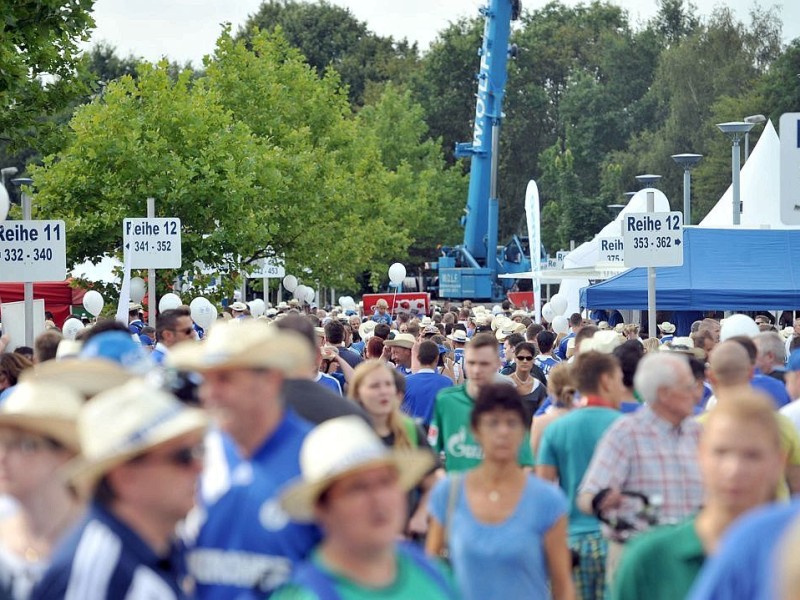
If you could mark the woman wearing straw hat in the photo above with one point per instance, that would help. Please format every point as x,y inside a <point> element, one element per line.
<point>140,463</point>
<point>354,488</point>
<point>37,437</point>
<point>505,529</point>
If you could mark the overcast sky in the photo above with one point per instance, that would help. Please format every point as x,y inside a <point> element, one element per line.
<point>185,30</point>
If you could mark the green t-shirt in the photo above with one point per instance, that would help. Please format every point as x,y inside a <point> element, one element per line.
<point>450,431</point>
<point>411,582</point>
<point>568,444</point>
<point>660,564</point>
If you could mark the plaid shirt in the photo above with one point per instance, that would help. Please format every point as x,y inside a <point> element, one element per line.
<point>644,453</point>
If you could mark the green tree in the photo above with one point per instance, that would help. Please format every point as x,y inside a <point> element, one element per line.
<point>329,36</point>
<point>39,60</point>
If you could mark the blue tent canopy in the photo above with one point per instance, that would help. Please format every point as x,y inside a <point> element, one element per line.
<point>723,269</point>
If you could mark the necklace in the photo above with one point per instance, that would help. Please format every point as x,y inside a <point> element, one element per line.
<point>494,496</point>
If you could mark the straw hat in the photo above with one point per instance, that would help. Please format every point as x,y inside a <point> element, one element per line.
<point>458,335</point>
<point>666,327</point>
<point>602,341</point>
<point>45,409</point>
<point>402,340</point>
<point>683,345</point>
<point>340,447</point>
<point>603,326</point>
<point>509,328</point>
<point>251,344</point>
<point>366,329</point>
<point>124,422</point>
<point>86,377</point>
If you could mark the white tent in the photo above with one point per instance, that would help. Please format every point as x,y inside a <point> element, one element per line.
<point>759,189</point>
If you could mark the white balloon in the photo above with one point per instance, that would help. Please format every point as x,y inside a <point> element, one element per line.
<point>342,301</point>
<point>559,304</point>
<point>300,293</point>
<point>290,283</point>
<point>350,303</point>
<point>138,289</point>
<point>310,295</point>
<point>5,203</point>
<point>168,302</point>
<point>257,307</point>
<point>397,273</point>
<point>71,328</point>
<point>203,312</point>
<point>560,324</point>
<point>547,312</point>
<point>738,325</point>
<point>93,302</point>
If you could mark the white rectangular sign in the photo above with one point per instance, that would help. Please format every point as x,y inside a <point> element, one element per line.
<point>33,251</point>
<point>611,251</point>
<point>653,239</point>
<point>267,269</point>
<point>790,168</point>
<point>14,322</point>
<point>153,243</point>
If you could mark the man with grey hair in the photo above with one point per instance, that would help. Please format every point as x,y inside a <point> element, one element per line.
<point>771,357</point>
<point>652,451</point>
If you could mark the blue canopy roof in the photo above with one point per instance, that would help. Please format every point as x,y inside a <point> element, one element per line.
<point>723,269</point>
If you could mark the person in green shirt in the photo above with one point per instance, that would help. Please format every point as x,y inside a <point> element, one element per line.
<point>353,487</point>
<point>450,431</point>
<point>741,461</point>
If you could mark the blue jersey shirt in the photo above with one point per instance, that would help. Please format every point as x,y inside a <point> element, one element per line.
<point>103,559</point>
<point>246,545</point>
<point>420,396</point>
<point>562,347</point>
<point>329,382</point>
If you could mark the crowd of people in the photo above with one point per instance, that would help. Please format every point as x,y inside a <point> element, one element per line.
<point>468,453</point>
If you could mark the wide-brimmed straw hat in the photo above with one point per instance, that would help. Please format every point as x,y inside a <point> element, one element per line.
<point>366,329</point>
<point>458,335</point>
<point>44,409</point>
<point>87,377</point>
<point>403,340</point>
<point>604,341</point>
<point>340,447</point>
<point>124,422</point>
<point>250,344</point>
<point>667,327</point>
<point>683,345</point>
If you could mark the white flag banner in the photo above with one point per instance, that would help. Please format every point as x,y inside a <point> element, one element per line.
<point>535,244</point>
<point>125,291</point>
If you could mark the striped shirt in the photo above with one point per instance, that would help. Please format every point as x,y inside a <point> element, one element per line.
<point>103,559</point>
<point>644,453</point>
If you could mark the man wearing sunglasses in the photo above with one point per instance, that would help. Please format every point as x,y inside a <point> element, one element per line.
<point>172,327</point>
<point>141,459</point>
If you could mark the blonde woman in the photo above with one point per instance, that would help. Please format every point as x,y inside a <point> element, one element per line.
<point>373,386</point>
<point>562,391</point>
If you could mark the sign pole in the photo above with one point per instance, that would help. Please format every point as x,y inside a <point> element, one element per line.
<point>151,273</point>
<point>651,278</point>
<point>27,286</point>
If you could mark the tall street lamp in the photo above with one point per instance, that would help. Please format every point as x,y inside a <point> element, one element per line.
<point>735,130</point>
<point>688,162</point>
<point>754,119</point>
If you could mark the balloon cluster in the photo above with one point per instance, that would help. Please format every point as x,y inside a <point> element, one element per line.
<point>553,313</point>
<point>301,292</point>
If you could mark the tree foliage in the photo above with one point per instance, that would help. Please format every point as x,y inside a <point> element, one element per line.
<point>39,59</point>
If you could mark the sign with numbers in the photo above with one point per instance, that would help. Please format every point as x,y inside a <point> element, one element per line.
<point>267,268</point>
<point>33,251</point>
<point>153,243</point>
<point>653,239</point>
<point>611,251</point>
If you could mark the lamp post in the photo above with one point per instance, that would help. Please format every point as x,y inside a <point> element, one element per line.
<point>755,120</point>
<point>735,130</point>
<point>648,180</point>
<point>688,162</point>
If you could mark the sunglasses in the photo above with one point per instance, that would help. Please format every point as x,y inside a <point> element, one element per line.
<point>524,358</point>
<point>25,444</point>
<point>186,331</point>
<point>182,457</point>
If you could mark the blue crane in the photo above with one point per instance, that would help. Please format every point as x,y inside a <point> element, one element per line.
<point>470,270</point>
